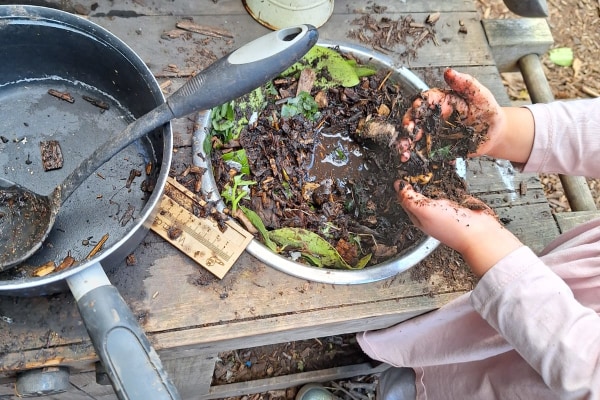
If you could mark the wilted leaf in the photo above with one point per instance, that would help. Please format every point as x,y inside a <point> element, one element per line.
<point>340,71</point>
<point>562,56</point>
<point>260,226</point>
<point>313,247</point>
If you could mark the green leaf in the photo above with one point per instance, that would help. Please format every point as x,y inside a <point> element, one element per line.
<point>313,247</point>
<point>233,195</point>
<point>562,56</point>
<point>303,104</point>
<point>364,71</point>
<point>222,121</point>
<point>207,145</point>
<point>260,226</point>
<point>240,157</point>
<point>323,58</point>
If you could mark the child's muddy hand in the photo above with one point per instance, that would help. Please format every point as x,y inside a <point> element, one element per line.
<point>467,103</point>
<point>470,227</point>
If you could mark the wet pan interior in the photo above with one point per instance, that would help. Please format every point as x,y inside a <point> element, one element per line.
<point>43,50</point>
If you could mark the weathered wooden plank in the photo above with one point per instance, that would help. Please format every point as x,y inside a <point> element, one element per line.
<point>499,184</point>
<point>201,340</point>
<point>272,293</point>
<point>450,48</point>
<point>569,220</point>
<point>279,329</point>
<point>517,198</point>
<point>287,381</point>
<point>85,383</point>
<point>486,175</point>
<point>160,53</point>
<point>532,224</point>
<point>225,8</point>
<point>84,387</point>
<point>425,6</point>
<point>191,375</point>
<point>511,39</point>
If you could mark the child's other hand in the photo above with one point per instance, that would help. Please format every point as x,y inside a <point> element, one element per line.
<point>474,103</point>
<point>471,228</point>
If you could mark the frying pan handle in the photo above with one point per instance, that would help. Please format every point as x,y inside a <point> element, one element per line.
<point>242,71</point>
<point>132,364</point>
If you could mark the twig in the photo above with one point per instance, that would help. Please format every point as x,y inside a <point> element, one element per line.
<point>588,90</point>
<point>363,386</point>
<point>384,80</point>
<point>203,30</point>
<point>352,396</point>
<point>97,247</point>
<point>186,73</point>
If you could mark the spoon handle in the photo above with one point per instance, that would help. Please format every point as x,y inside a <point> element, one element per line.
<point>242,71</point>
<point>133,366</point>
<point>230,77</point>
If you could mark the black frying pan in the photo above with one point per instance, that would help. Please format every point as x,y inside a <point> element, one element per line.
<point>46,50</point>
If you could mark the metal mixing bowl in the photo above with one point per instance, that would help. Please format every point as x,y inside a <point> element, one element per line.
<point>412,85</point>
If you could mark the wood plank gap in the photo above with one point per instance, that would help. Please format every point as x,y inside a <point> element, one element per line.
<point>287,381</point>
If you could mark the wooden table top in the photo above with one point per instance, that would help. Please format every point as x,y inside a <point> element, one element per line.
<point>186,311</point>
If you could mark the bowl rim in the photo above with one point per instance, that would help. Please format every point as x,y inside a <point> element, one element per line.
<point>370,274</point>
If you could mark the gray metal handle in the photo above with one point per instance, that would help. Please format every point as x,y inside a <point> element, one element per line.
<point>133,366</point>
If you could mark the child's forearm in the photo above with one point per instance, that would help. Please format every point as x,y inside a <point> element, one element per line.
<point>516,135</point>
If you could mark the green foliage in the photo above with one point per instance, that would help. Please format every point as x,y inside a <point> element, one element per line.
<point>313,248</point>
<point>339,70</point>
<point>442,154</point>
<point>562,56</point>
<point>254,101</point>
<point>232,195</point>
<point>303,104</point>
<point>270,89</point>
<point>224,121</point>
<point>240,157</point>
<point>260,226</point>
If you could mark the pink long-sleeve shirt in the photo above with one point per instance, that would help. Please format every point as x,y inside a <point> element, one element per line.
<point>531,327</point>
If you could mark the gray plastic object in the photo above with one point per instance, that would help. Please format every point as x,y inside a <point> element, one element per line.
<point>42,382</point>
<point>528,8</point>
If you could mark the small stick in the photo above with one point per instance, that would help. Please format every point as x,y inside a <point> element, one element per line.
<point>590,91</point>
<point>67,262</point>
<point>203,30</point>
<point>61,95</point>
<point>97,247</point>
<point>45,269</point>
<point>384,80</point>
<point>96,102</point>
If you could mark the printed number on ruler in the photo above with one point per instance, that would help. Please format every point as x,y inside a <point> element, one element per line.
<point>199,238</point>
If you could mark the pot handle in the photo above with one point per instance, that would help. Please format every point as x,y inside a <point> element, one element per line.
<point>243,70</point>
<point>133,366</point>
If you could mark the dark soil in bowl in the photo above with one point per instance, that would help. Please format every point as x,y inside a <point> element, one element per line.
<point>333,174</point>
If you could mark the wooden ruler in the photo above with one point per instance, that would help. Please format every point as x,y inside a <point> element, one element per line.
<point>199,238</point>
